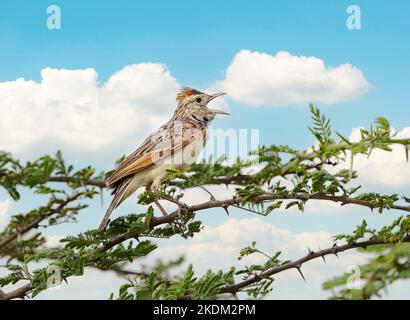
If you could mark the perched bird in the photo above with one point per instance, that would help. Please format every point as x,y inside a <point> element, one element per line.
<point>176,145</point>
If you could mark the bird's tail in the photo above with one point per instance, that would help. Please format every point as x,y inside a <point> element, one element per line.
<point>115,202</point>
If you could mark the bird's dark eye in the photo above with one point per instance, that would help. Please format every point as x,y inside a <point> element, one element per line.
<point>198,100</point>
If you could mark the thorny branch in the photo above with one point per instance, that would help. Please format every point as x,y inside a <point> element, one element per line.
<point>234,288</point>
<point>185,209</point>
<point>36,222</point>
<point>297,264</point>
<point>285,169</point>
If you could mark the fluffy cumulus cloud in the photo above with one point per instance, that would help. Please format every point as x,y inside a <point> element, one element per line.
<point>260,79</point>
<point>69,109</point>
<point>4,207</point>
<point>243,231</point>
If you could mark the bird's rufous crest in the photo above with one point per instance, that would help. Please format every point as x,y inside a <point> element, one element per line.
<point>186,92</point>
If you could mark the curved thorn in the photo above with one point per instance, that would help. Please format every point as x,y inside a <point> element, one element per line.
<point>300,272</point>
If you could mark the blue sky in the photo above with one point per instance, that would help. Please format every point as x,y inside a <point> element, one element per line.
<point>197,41</point>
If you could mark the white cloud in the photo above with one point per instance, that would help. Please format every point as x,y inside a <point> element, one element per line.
<point>69,109</point>
<point>382,168</point>
<point>235,231</point>
<point>260,79</point>
<point>4,207</point>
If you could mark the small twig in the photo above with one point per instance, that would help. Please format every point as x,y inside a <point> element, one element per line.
<point>262,253</point>
<point>249,210</point>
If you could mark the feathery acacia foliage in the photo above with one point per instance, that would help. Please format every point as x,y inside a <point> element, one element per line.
<point>311,174</point>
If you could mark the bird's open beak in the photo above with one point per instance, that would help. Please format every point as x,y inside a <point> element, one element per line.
<point>212,97</point>
<point>214,111</point>
<point>216,95</point>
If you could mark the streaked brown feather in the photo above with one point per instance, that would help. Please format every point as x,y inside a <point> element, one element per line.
<point>117,199</point>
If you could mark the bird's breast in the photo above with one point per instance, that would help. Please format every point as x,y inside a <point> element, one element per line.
<point>182,159</point>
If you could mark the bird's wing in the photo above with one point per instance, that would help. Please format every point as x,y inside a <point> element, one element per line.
<point>158,146</point>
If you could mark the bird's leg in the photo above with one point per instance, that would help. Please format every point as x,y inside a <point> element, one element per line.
<point>160,207</point>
